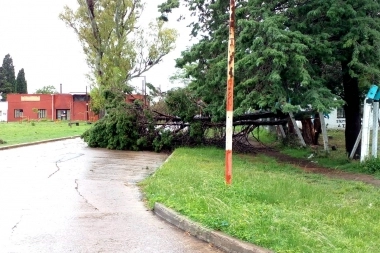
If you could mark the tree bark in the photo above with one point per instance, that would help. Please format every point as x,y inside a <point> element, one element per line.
<point>352,109</point>
<point>308,131</point>
<point>317,128</point>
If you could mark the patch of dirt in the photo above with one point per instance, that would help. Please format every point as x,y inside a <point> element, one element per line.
<point>311,167</point>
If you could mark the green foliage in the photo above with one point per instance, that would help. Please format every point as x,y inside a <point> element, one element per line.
<point>21,84</point>
<point>181,102</point>
<point>197,132</point>
<point>371,165</point>
<point>16,133</point>
<point>7,76</point>
<point>269,204</point>
<point>116,48</point>
<point>4,88</point>
<point>117,130</point>
<point>288,54</point>
<point>264,135</point>
<point>49,89</point>
<point>163,141</point>
<point>128,127</point>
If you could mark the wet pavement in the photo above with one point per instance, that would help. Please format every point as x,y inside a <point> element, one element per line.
<point>65,197</point>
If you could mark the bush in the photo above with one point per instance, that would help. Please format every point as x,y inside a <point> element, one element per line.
<point>163,141</point>
<point>117,130</point>
<point>128,127</point>
<point>371,165</point>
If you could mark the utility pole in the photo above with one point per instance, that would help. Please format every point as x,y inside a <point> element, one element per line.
<point>86,105</point>
<point>143,90</point>
<point>230,94</point>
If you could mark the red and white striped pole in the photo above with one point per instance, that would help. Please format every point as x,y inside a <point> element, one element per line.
<point>230,94</point>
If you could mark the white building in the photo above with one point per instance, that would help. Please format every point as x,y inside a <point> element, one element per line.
<point>336,119</point>
<point>3,111</point>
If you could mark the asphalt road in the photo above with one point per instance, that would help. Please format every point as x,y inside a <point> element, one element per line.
<point>65,197</point>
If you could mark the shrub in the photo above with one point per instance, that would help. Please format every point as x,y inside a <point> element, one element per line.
<point>371,165</point>
<point>163,141</point>
<point>117,130</point>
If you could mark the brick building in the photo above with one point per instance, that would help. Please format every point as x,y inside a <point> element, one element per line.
<point>55,106</point>
<point>48,106</point>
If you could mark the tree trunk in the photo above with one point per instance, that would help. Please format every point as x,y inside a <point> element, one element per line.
<point>308,131</point>
<point>317,128</point>
<point>352,109</point>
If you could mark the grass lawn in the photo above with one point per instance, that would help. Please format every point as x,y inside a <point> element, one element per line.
<point>336,159</point>
<point>269,204</point>
<point>16,133</point>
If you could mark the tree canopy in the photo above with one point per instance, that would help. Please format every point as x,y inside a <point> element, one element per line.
<point>49,89</point>
<point>116,49</point>
<point>7,76</point>
<point>8,81</point>
<point>21,84</point>
<point>289,55</point>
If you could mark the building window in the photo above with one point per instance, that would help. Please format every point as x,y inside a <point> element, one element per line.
<point>340,113</point>
<point>78,98</point>
<point>19,113</point>
<point>63,114</point>
<point>41,113</point>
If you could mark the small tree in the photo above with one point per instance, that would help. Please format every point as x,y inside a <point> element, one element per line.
<point>35,110</point>
<point>50,89</point>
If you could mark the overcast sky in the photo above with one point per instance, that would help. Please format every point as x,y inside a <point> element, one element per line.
<point>50,52</point>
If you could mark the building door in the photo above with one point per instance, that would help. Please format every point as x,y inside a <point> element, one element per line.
<point>63,114</point>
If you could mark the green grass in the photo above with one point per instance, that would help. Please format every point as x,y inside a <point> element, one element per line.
<point>335,159</point>
<point>271,205</point>
<point>15,133</point>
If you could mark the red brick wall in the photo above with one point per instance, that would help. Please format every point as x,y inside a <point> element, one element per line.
<point>27,102</point>
<point>52,103</point>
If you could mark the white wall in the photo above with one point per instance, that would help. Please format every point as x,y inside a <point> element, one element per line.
<point>333,122</point>
<point>3,111</point>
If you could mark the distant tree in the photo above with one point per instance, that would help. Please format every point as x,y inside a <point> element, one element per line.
<point>3,88</point>
<point>50,89</point>
<point>21,84</point>
<point>7,76</point>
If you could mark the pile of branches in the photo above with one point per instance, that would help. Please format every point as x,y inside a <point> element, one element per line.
<point>210,133</point>
<point>133,127</point>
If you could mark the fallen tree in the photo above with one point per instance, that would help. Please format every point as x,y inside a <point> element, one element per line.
<point>132,127</point>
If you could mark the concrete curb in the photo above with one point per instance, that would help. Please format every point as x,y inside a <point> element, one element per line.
<point>38,142</point>
<point>218,239</point>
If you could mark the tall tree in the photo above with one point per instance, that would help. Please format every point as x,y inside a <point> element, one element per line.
<point>21,84</point>
<point>288,53</point>
<point>116,50</point>
<point>4,89</point>
<point>8,75</point>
